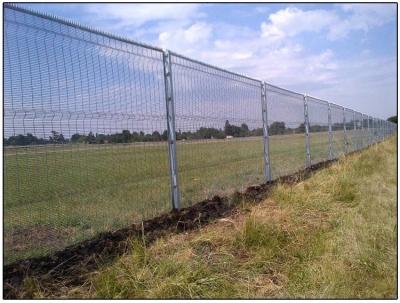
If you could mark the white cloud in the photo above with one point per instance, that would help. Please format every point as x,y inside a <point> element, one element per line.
<point>127,14</point>
<point>362,17</point>
<point>190,40</point>
<point>292,21</point>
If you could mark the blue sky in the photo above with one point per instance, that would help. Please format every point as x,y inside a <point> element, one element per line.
<point>343,53</point>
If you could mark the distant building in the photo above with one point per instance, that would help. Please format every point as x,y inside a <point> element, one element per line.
<point>229,137</point>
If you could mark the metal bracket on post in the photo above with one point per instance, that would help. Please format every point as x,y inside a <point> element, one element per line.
<point>345,132</point>
<point>330,155</point>
<point>169,98</point>
<point>307,133</point>
<point>264,108</point>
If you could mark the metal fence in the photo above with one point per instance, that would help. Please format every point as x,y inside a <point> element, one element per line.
<point>101,132</point>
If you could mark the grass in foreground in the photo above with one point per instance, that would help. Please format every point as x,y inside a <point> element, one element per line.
<point>331,236</point>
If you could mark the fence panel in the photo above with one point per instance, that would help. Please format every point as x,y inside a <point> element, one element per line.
<point>357,132</point>
<point>219,130</point>
<point>364,124</point>
<point>85,103</point>
<point>318,111</point>
<point>350,133</point>
<point>286,131</point>
<point>337,130</point>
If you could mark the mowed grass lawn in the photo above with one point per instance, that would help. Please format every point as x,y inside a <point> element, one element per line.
<point>330,236</point>
<point>57,195</point>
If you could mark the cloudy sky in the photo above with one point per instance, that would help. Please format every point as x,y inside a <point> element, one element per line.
<point>344,53</point>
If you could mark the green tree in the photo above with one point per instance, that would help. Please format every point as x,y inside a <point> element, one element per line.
<point>393,119</point>
<point>277,128</point>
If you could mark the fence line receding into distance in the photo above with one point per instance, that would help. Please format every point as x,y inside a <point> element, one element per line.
<point>101,132</point>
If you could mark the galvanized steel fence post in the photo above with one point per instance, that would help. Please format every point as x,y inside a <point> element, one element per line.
<point>169,98</point>
<point>345,132</point>
<point>264,108</point>
<point>368,134</point>
<point>330,155</point>
<point>307,135</point>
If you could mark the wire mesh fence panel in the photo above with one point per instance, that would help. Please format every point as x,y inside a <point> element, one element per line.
<point>219,130</point>
<point>375,130</point>
<point>84,124</point>
<point>318,113</point>
<point>370,130</point>
<point>364,124</point>
<point>286,130</point>
<point>338,144</point>
<point>350,133</point>
<point>357,131</point>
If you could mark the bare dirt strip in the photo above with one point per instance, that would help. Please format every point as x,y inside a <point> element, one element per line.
<point>70,266</point>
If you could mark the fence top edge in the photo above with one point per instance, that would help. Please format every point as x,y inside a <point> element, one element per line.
<point>277,88</point>
<point>76,24</point>
<point>318,100</point>
<point>175,54</point>
<point>336,105</point>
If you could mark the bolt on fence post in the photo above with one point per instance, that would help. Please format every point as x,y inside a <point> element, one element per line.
<point>330,155</point>
<point>307,134</point>
<point>264,108</point>
<point>169,98</point>
<point>345,132</point>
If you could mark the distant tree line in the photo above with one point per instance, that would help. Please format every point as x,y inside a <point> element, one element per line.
<point>393,119</point>
<point>276,128</point>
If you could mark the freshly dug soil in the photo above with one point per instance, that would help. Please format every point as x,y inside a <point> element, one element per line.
<point>70,266</point>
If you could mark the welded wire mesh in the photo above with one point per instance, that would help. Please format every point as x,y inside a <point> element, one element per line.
<point>364,131</point>
<point>318,113</point>
<point>338,135</point>
<point>219,130</point>
<point>349,133</point>
<point>371,130</point>
<point>286,130</point>
<point>356,136</point>
<point>86,137</point>
<point>78,108</point>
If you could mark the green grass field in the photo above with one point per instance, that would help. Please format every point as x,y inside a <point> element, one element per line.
<point>57,195</point>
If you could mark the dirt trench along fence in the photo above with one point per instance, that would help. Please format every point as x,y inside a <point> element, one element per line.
<point>101,132</point>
